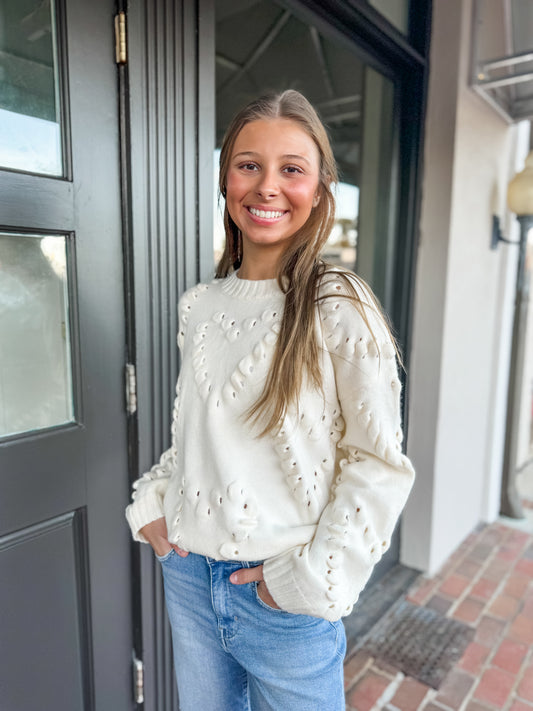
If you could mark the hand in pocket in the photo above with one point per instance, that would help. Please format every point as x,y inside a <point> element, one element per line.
<point>250,575</point>
<point>156,534</point>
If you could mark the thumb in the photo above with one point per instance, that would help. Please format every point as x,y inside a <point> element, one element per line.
<point>246,575</point>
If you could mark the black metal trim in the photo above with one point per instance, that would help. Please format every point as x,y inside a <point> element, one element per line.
<point>413,116</point>
<point>371,36</point>
<point>420,26</point>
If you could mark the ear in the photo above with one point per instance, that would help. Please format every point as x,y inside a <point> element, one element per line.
<point>316,200</point>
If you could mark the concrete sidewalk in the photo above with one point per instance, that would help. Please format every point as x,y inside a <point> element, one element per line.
<point>488,584</point>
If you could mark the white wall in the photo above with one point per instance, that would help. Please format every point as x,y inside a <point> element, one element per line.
<point>463,306</point>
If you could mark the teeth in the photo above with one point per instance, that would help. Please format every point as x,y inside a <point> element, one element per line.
<point>266,214</point>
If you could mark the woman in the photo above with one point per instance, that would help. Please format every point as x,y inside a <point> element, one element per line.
<point>285,477</point>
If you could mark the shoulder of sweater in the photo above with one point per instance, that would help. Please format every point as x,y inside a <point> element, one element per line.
<point>191,300</point>
<point>346,304</point>
<point>197,292</point>
<point>337,281</point>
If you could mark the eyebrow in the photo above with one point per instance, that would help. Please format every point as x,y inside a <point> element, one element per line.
<point>287,156</point>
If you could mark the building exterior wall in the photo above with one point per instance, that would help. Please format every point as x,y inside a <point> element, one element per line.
<point>463,308</point>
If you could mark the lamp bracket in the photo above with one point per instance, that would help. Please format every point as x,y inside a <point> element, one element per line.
<point>497,235</point>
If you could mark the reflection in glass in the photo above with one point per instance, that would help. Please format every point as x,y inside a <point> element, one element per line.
<point>35,354</point>
<point>30,138</point>
<point>377,217</point>
<point>276,51</point>
<point>396,12</point>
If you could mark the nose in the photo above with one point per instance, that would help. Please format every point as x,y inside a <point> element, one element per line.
<point>267,185</point>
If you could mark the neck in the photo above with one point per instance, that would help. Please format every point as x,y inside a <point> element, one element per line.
<point>255,267</point>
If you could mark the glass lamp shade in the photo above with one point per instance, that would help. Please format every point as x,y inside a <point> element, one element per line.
<point>520,190</point>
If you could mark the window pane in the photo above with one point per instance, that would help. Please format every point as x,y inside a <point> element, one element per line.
<point>276,51</point>
<point>377,220</point>
<point>35,361</point>
<point>396,12</point>
<point>30,135</point>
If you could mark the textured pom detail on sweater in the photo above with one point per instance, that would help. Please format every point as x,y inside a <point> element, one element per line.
<point>318,500</point>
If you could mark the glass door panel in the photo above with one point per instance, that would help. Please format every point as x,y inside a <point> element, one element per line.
<point>35,351</point>
<point>30,131</point>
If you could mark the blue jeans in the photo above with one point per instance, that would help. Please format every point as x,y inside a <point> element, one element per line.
<point>232,652</point>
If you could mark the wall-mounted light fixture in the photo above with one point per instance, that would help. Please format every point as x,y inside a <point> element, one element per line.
<point>497,234</point>
<point>520,201</point>
<point>520,191</point>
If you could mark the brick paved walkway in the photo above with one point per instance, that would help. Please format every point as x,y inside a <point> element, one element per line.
<point>488,584</point>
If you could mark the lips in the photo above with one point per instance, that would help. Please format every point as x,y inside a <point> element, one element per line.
<point>266,214</point>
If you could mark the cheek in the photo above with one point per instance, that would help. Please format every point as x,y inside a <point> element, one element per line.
<point>302,196</point>
<point>235,186</point>
<point>235,190</point>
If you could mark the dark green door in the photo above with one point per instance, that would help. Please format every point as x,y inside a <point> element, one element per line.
<point>64,549</point>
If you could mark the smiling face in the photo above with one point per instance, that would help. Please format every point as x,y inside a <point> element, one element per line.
<point>271,184</point>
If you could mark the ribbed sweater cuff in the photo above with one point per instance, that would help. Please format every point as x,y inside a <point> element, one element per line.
<point>289,591</point>
<point>142,511</point>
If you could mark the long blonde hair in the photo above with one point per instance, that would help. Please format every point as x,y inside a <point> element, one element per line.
<point>300,268</point>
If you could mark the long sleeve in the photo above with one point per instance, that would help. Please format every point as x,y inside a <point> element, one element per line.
<point>373,478</point>
<point>148,494</point>
<point>150,489</point>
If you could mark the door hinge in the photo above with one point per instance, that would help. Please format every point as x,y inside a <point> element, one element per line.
<point>138,680</point>
<point>131,388</point>
<point>120,38</point>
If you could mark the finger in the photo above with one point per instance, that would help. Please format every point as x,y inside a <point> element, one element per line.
<point>246,575</point>
<point>180,551</point>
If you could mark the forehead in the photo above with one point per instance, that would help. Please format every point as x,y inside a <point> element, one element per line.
<point>275,137</point>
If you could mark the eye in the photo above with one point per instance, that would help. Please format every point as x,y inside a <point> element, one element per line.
<point>292,169</point>
<point>248,167</point>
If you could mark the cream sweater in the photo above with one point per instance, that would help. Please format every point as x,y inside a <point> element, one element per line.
<point>317,502</point>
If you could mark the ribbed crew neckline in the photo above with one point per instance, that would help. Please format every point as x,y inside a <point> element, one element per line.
<point>250,288</point>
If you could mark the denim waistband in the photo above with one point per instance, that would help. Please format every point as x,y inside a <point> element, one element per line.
<point>234,563</point>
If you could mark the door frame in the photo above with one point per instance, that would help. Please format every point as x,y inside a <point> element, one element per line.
<point>165,89</point>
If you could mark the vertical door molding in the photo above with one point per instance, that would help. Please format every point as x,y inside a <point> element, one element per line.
<point>170,79</point>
